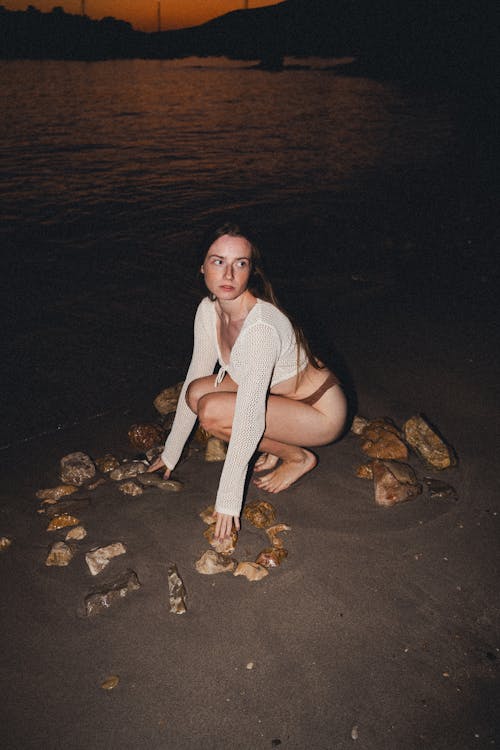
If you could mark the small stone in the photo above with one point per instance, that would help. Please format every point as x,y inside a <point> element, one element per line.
<point>5,543</point>
<point>382,441</point>
<point>110,682</point>
<point>62,521</point>
<point>107,463</point>
<point>128,470</point>
<point>155,480</point>
<point>77,468</point>
<point>209,515</point>
<point>354,732</point>
<point>260,513</point>
<point>215,450</point>
<point>78,533</point>
<point>273,531</point>
<point>130,488</point>
<point>427,443</point>
<point>145,436</point>
<point>153,453</point>
<point>54,494</point>
<point>250,665</point>
<point>211,562</point>
<point>201,436</point>
<point>223,546</point>
<point>365,471</point>
<point>358,425</point>
<point>440,490</point>
<point>98,483</point>
<point>176,591</point>
<point>99,558</point>
<point>166,401</point>
<point>63,506</point>
<point>114,590</point>
<point>271,557</point>
<point>60,554</point>
<point>394,482</point>
<point>251,571</point>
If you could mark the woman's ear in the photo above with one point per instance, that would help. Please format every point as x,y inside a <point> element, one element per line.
<point>201,269</point>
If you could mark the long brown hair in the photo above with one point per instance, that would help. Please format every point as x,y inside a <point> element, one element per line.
<point>259,284</point>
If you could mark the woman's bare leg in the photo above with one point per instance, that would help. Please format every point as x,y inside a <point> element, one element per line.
<point>291,426</point>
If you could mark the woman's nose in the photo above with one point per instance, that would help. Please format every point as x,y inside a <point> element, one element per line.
<point>229,271</point>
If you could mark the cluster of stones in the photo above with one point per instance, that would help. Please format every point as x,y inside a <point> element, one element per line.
<point>260,514</point>
<point>394,480</point>
<point>79,471</point>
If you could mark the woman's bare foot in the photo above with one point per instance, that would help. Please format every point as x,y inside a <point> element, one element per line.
<point>265,462</point>
<point>288,472</point>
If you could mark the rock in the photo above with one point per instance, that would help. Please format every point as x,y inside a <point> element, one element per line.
<point>273,531</point>
<point>252,571</point>
<point>107,463</point>
<point>211,562</point>
<point>5,543</point>
<point>60,554</point>
<point>62,521</point>
<point>440,490</point>
<point>154,480</point>
<point>96,484</point>
<point>153,453</point>
<point>77,468</point>
<point>215,450</point>
<point>271,557</point>
<point>358,425</point>
<point>260,513</point>
<point>130,488</point>
<point>208,515</point>
<point>394,483</point>
<point>128,470</point>
<point>114,590</point>
<point>223,546</point>
<point>145,436</point>
<point>99,558</point>
<point>166,401</point>
<point>77,533</point>
<point>201,436</point>
<point>427,443</point>
<point>176,591</point>
<point>381,440</point>
<point>54,494</point>
<point>63,506</point>
<point>365,471</point>
<point>110,682</point>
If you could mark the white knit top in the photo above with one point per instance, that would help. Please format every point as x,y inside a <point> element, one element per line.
<point>264,354</point>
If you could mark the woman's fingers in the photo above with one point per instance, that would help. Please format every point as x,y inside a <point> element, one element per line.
<point>157,464</point>
<point>224,525</point>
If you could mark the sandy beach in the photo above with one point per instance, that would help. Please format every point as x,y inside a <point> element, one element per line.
<point>380,630</point>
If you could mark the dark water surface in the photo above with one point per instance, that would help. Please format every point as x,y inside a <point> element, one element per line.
<point>111,170</point>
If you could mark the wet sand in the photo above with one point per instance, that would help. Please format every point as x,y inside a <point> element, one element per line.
<point>382,624</point>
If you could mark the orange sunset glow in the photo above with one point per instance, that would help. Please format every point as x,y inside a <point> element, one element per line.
<point>143,14</point>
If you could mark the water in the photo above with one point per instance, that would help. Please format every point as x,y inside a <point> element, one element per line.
<point>110,171</point>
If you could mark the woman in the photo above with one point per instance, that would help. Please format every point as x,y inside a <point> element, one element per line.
<point>270,394</point>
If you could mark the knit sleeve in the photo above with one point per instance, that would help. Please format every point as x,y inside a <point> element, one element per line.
<point>258,359</point>
<point>202,364</point>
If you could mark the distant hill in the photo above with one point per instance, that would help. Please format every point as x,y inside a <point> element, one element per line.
<point>426,40</point>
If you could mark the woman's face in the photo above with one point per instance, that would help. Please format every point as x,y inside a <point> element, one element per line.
<point>227,267</point>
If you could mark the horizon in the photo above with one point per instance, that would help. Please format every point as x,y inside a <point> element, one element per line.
<point>143,14</point>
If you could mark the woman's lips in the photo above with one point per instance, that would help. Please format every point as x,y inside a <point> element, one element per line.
<point>227,288</point>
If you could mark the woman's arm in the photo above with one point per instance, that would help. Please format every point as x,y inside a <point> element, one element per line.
<point>202,363</point>
<point>259,353</point>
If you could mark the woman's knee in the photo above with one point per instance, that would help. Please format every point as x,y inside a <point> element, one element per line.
<point>195,391</point>
<point>207,414</point>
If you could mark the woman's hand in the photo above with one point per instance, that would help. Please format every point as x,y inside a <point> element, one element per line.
<point>224,525</point>
<point>158,464</point>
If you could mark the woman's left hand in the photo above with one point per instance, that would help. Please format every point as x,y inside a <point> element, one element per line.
<point>224,525</point>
